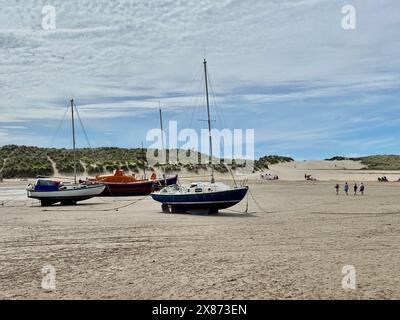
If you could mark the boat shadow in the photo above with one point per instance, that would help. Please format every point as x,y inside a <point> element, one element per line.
<point>234,214</point>
<point>222,214</point>
<point>67,206</point>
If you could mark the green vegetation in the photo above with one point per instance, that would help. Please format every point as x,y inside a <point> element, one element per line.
<point>29,162</point>
<point>263,162</point>
<point>381,162</point>
<point>337,158</point>
<point>22,161</point>
<point>375,162</point>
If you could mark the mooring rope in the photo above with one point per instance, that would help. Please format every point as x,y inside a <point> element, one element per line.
<point>101,210</point>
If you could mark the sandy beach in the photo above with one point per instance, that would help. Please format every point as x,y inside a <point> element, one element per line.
<point>293,247</point>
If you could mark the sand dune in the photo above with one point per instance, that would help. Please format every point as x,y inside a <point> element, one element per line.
<point>346,170</point>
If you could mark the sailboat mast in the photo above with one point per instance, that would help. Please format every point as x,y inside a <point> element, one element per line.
<point>209,121</point>
<point>162,143</point>
<point>144,161</point>
<point>73,138</point>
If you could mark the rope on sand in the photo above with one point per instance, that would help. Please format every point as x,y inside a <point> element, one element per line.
<point>257,204</point>
<point>7,201</point>
<point>247,206</point>
<point>102,210</point>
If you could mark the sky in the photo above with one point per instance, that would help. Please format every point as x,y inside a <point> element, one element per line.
<point>309,88</point>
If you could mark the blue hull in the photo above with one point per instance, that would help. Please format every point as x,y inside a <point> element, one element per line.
<point>209,202</point>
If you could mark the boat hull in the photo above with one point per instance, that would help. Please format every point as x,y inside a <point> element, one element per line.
<point>140,188</point>
<point>68,196</point>
<point>209,202</point>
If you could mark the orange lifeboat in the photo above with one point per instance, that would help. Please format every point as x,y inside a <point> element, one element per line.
<point>118,184</point>
<point>120,177</point>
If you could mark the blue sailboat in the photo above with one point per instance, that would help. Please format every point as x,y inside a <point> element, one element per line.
<point>200,197</point>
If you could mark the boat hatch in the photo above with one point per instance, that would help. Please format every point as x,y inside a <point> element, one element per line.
<point>46,185</point>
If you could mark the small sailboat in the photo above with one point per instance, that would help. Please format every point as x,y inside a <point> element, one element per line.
<point>200,197</point>
<point>50,191</point>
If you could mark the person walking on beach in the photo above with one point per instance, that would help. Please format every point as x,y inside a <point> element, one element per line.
<point>355,188</point>
<point>362,188</point>
<point>337,189</point>
<point>346,189</point>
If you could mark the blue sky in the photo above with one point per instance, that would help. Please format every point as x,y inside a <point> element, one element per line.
<point>286,69</point>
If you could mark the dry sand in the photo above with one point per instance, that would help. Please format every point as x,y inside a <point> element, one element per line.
<point>295,249</point>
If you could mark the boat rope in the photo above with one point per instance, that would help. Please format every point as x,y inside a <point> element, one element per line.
<point>101,210</point>
<point>7,201</point>
<point>257,204</point>
<point>247,202</point>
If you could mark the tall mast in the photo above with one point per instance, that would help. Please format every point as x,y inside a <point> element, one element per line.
<point>73,138</point>
<point>209,121</point>
<point>144,161</point>
<point>162,143</point>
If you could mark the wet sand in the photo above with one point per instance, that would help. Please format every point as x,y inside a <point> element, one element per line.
<point>295,248</point>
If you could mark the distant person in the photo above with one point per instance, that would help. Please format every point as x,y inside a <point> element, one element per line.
<point>362,188</point>
<point>355,188</point>
<point>305,176</point>
<point>337,189</point>
<point>346,189</point>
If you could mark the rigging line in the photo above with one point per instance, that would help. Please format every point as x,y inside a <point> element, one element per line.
<point>87,138</point>
<point>233,177</point>
<point>188,93</point>
<point>215,103</point>
<point>195,99</point>
<point>59,127</point>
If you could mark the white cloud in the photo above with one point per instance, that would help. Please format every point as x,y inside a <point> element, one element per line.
<point>103,51</point>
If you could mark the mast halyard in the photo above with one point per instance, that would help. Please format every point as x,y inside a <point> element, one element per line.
<point>209,121</point>
<point>162,144</point>
<point>73,138</point>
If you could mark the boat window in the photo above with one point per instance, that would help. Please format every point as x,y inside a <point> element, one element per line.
<point>46,183</point>
<point>198,190</point>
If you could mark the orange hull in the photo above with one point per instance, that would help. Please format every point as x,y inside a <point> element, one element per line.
<point>120,177</point>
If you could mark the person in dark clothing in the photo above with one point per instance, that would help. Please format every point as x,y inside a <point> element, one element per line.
<point>355,188</point>
<point>346,189</point>
<point>362,188</point>
<point>337,189</point>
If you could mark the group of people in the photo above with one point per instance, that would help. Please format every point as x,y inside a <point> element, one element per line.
<point>309,177</point>
<point>346,188</point>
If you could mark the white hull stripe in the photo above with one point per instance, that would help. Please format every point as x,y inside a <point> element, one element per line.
<point>203,202</point>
